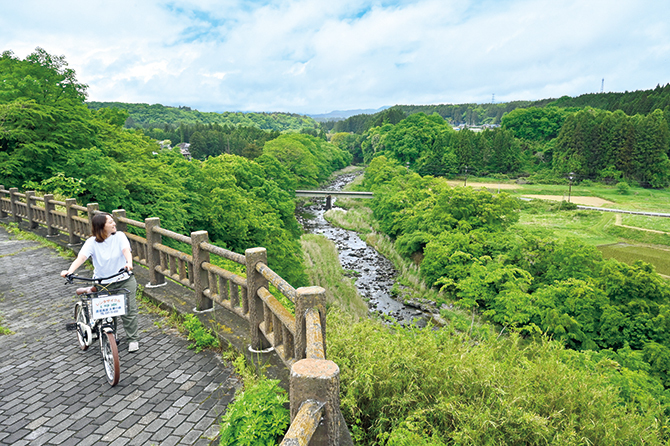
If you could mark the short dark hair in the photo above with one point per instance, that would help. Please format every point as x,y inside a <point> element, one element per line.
<point>98,223</point>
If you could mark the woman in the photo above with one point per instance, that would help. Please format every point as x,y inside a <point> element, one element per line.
<point>110,252</point>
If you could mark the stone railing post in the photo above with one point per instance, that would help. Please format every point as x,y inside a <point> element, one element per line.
<point>30,202</point>
<point>318,380</point>
<point>71,212</point>
<point>308,297</point>
<point>117,214</point>
<point>3,214</point>
<point>12,203</point>
<point>200,276</point>
<point>91,209</point>
<point>255,280</point>
<point>49,208</point>
<point>153,255</point>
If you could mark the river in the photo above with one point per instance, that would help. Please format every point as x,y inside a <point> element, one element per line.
<point>375,274</point>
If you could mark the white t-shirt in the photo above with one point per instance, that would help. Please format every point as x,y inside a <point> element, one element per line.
<point>107,256</point>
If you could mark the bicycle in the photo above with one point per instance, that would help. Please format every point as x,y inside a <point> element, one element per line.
<point>95,314</point>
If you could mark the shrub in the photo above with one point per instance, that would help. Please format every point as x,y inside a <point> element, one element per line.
<point>257,417</point>
<point>623,188</point>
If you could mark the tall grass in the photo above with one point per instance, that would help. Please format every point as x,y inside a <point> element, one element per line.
<point>423,386</point>
<point>324,269</point>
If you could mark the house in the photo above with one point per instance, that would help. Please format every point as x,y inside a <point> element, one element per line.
<point>183,148</point>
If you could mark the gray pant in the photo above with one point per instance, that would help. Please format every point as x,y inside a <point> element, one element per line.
<point>130,318</point>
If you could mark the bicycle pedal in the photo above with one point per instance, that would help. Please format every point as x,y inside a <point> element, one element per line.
<point>72,326</point>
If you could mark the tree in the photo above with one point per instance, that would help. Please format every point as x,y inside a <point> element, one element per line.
<point>652,140</point>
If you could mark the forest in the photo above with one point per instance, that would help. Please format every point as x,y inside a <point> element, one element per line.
<point>568,348</point>
<point>147,116</point>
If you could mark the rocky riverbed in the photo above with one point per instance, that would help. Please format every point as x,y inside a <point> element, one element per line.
<point>374,274</point>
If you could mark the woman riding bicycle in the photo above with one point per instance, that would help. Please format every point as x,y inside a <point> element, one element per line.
<point>110,251</point>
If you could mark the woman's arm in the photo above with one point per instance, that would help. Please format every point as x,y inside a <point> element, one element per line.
<point>129,258</point>
<point>73,267</point>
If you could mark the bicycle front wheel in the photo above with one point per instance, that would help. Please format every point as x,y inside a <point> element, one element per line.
<point>110,357</point>
<point>84,334</point>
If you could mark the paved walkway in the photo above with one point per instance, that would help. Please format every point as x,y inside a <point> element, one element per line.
<point>53,393</point>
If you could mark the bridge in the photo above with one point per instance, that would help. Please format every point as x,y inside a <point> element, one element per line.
<point>329,194</point>
<point>332,193</point>
<point>241,310</point>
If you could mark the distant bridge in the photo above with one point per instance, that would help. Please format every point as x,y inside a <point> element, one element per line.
<point>329,194</point>
<point>332,193</point>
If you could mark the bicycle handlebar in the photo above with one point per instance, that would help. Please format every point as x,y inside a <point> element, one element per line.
<point>71,277</point>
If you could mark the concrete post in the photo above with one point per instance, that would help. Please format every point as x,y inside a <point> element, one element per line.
<point>329,202</point>
<point>255,280</point>
<point>3,214</point>
<point>71,212</point>
<point>49,208</point>
<point>117,214</point>
<point>12,204</point>
<point>318,380</point>
<point>91,209</point>
<point>153,255</point>
<point>30,201</point>
<point>308,297</point>
<point>200,276</point>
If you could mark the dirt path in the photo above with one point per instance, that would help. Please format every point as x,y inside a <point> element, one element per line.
<point>586,201</point>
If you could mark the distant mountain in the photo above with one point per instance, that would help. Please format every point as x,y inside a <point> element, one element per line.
<point>344,114</point>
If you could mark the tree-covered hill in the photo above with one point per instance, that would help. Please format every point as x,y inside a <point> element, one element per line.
<point>157,115</point>
<point>630,102</point>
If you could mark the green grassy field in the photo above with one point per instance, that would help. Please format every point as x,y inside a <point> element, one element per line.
<point>637,198</point>
<point>632,241</point>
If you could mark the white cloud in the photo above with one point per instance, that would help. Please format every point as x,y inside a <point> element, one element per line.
<point>313,56</point>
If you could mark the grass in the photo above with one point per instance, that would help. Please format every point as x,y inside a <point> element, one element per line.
<point>13,228</point>
<point>629,253</point>
<point>641,221</point>
<point>324,270</point>
<point>602,230</point>
<point>424,386</point>
<point>638,199</point>
<point>4,330</point>
<point>589,226</point>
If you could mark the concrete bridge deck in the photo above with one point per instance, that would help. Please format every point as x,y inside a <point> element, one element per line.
<point>52,393</point>
<point>333,193</point>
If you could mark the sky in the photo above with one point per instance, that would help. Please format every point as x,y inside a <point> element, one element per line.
<point>316,56</point>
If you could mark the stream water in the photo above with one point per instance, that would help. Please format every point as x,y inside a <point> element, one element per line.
<point>375,273</point>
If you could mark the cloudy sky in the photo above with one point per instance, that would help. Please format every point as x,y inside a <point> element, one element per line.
<point>315,56</point>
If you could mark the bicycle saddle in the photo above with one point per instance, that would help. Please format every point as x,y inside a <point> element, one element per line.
<point>86,290</point>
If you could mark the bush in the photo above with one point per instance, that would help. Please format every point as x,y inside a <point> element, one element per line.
<point>623,188</point>
<point>257,417</point>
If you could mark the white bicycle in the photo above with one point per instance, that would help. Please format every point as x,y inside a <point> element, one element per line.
<point>95,317</point>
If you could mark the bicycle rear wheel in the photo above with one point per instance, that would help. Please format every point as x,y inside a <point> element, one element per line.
<point>110,357</point>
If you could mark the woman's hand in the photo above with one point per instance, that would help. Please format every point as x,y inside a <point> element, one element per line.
<point>64,273</point>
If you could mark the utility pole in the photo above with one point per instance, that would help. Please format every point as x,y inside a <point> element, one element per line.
<point>602,85</point>
<point>571,176</point>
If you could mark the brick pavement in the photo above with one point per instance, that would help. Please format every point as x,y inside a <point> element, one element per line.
<point>53,393</point>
